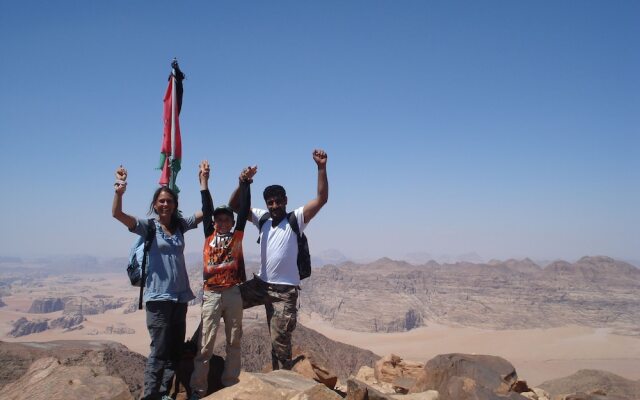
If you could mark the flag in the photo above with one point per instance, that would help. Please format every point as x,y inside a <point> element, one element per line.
<point>171,151</point>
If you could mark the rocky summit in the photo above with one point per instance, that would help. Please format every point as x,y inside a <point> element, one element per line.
<point>92,370</point>
<point>390,296</point>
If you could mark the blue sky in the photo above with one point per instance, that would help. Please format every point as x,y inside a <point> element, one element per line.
<point>508,129</point>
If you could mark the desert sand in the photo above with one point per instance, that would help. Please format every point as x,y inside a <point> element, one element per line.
<point>538,354</point>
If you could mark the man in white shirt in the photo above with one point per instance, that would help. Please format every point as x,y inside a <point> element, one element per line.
<point>277,283</point>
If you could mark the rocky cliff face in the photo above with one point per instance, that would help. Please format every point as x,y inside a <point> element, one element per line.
<point>92,306</point>
<point>46,305</point>
<point>66,321</point>
<point>387,296</point>
<point>24,327</point>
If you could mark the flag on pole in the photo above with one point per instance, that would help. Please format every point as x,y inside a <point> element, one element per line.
<point>171,151</point>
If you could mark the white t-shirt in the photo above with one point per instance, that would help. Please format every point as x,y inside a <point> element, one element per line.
<point>279,249</point>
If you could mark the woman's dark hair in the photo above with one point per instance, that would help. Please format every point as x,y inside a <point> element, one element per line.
<point>175,217</point>
<point>274,191</point>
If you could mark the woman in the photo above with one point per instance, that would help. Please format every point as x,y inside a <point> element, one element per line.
<point>167,289</point>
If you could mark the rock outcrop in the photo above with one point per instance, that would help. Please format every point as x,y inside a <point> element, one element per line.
<point>401,374</point>
<point>23,327</point>
<point>73,360</point>
<point>594,291</point>
<point>119,330</point>
<point>48,378</point>
<point>342,359</point>
<point>463,376</point>
<point>66,321</point>
<point>588,382</point>
<point>93,306</point>
<point>46,305</point>
<point>275,385</point>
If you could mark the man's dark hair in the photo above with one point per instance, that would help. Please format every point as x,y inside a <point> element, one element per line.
<point>274,191</point>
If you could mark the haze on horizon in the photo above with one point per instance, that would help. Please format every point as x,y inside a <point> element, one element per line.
<point>497,128</point>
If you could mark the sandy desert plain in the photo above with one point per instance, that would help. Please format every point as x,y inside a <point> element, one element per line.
<point>537,354</point>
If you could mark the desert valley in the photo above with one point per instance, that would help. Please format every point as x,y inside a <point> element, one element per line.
<point>548,321</point>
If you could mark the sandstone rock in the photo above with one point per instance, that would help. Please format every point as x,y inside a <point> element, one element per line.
<point>515,294</point>
<point>24,327</point>
<point>461,376</point>
<point>428,395</point>
<point>119,330</point>
<point>367,375</point>
<point>588,380</point>
<point>66,321</point>
<point>308,366</point>
<point>46,305</point>
<point>583,396</point>
<point>520,386</point>
<point>357,390</point>
<point>48,379</point>
<point>96,305</point>
<point>256,349</point>
<point>542,395</point>
<point>275,385</point>
<point>103,358</point>
<point>402,374</point>
<point>130,307</point>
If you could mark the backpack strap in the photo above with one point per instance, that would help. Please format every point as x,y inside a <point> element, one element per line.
<point>293,222</point>
<point>265,217</point>
<point>151,234</point>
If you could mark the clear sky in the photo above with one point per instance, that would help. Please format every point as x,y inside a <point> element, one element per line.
<point>505,128</point>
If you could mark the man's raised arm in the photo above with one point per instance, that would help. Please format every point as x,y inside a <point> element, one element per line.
<point>245,176</point>
<point>312,207</point>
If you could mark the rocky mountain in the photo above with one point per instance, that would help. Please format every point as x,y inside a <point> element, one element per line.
<point>23,327</point>
<point>67,321</point>
<point>46,305</point>
<point>256,349</point>
<point>388,295</point>
<point>70,370</point>
<point>589,380</point>
<point>91,306</point>
<point>80,370</point>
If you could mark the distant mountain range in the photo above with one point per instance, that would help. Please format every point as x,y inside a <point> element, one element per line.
<point>89,263</point>
<point>388,295</point>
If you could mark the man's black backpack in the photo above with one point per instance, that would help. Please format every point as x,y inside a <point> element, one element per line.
<point>136,270</point>
<point>304,258</point>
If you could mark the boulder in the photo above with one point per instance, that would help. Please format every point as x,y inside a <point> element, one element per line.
<point>275,385</point>
<point>48,379</point>
<point>428,395</point>
<point>465,376</point>
<point>402,374</point>
<point>358,390</point>
<point>308,366</point>
<point>536,394</point>
<point>367,375</point>
<point>591,381</point>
